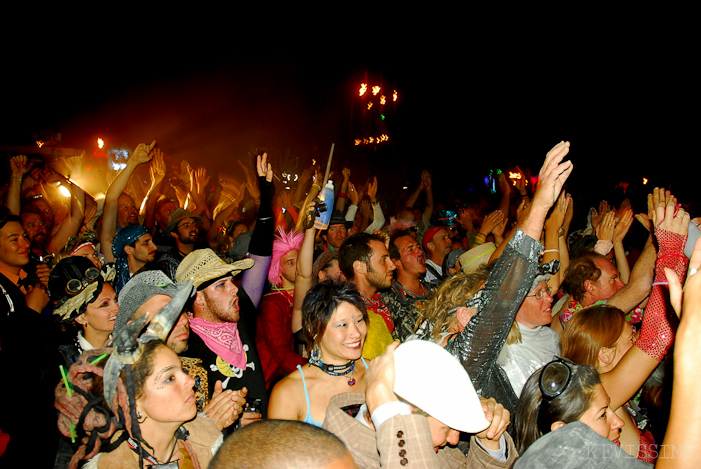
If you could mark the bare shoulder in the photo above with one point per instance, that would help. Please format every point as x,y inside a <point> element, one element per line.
<point>287,400</point>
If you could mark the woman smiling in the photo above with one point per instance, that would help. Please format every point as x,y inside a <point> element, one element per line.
<point>334,323</point>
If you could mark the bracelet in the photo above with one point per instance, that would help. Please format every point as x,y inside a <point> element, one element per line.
<point>15,177</point>
<point>317,185</point>
<point>665,256</point>
<point>342,195</point>
<point>551,250</point>
<point>483,236</point>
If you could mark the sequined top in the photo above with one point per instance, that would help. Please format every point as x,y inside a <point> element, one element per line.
<point>478,345</point>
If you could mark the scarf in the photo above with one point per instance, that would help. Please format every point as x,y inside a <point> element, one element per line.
<point>221,338</point>
<point>126,236</point>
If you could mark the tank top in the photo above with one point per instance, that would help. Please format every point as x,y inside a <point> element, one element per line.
<point>308,418</point>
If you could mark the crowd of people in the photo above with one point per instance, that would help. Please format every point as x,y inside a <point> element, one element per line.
<point>201,324</point>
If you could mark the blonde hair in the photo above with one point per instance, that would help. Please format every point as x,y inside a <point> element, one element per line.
<point>453,291</point>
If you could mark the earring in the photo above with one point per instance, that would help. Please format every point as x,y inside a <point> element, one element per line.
<point>315,356</point>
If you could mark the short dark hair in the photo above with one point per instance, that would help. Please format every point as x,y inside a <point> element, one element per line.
<point>320,303</point>
<point>393,249</point>
<point>279,443</point>
<point>356,248</point>
<point>6,217</point>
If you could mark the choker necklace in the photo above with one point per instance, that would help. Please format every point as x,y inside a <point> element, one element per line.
<point>337,370</point>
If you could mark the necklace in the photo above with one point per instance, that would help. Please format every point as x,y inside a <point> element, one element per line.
<point>337,370</point>
<point>152,459</point>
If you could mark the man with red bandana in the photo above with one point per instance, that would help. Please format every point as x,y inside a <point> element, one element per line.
<point>365,262</point>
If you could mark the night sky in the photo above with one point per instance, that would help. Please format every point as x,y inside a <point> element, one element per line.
<point>461,110</point>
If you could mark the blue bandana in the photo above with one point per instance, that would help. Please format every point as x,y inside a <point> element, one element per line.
<point>126,236</point>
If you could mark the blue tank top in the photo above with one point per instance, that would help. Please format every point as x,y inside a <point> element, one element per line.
<point>308,418</point>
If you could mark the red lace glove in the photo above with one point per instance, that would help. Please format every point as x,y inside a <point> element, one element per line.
<point>656,335</point>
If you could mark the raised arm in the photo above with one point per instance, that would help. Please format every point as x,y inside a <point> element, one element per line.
<point>157,171</point>
<point>656,334</point>
<point>641,276</point>
<point>683,430</point>
<point>305,265</point>
<point>260,248</point>
<point>108,229</point>
<point>553,233</point>
<point>18,168</point>
<point>72,224</point>
<point>478,346</point>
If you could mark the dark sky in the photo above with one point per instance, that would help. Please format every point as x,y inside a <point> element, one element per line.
<point>461,110</point>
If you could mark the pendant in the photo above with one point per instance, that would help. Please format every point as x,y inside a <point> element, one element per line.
<point>351,382</point>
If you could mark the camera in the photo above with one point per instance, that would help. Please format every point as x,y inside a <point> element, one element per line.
<point>320,208</point>
<point>254,406</point>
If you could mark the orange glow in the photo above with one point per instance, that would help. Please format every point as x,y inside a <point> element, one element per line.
<point>100,143</point>
<point>383,100</point>
<point>40,143</point>
<point>375,90</point>
<point>514,175</point>
<point>369,105</point>
<point>363,88</point>
<point>644,181</point>
<point>394,95</point>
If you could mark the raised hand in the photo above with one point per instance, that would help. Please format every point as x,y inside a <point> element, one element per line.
<point>19,166</point>
<point>142,153</point>
<point>556,219</point>
<point>604,230</point>
<point>491,221</point>
<point>691,291</point>
<point>372,189</point>
<point>264,168</point>
<point>201,179</point>
<point>74,165</point>
<point>465,219</point>
<point>157,170</point>
<point>623,225</point>
<point>426,179</point>
<point>552,176</point>
<point>353,194</point>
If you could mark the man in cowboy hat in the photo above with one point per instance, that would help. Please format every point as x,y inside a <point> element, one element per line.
<point>184,228</point>
<point>221,339</point>
<point>223,310</point>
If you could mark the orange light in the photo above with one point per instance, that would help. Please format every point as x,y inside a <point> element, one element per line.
<point>100,143</point>
<point>394,95</point>
<point>369,105</point>
<point>375,90</point>
<point>644,181</point>
<point>363,88</point>
<point>383,100</point>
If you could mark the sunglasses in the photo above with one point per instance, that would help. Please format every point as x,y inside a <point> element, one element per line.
<point>554,380</point>
<point>76,285</point>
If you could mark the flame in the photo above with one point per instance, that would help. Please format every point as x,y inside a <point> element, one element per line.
<point>363,88</point>
<point>645,181</point>
<point>369,105</point>
<point>394,95</point>
<point>375,90</point>
<point>100,143</point>
<point>40,143</point>
<point>383,99</point>
<point>514,175</point>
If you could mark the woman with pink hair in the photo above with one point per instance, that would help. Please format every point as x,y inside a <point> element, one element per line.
<point>274,339</point>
